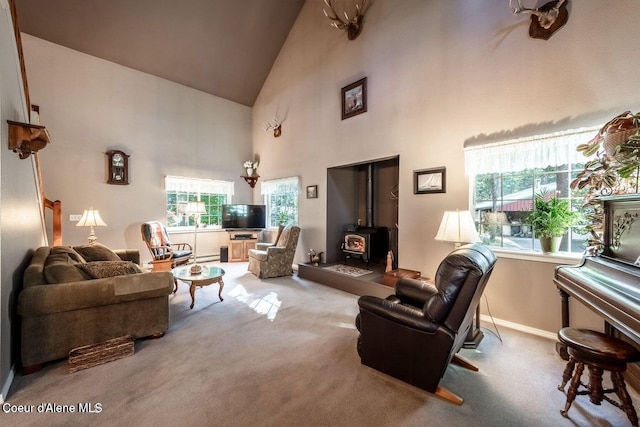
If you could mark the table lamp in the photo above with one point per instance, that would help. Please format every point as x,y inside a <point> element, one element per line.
<point>195,209</point>
<point>458,227</point>
<point>91,218</point>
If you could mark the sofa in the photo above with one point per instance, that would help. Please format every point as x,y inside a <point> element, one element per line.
<point>77,296</point>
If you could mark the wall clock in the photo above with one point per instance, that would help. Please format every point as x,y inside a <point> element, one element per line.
<point>118,167</point>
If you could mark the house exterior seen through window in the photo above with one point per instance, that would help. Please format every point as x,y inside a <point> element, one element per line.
<point>505,178</point>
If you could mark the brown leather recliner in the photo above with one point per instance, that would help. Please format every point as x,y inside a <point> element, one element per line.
<point>414,334</point>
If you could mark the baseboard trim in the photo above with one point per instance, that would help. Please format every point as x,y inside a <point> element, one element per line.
<point>4,392</point>
<point>518,327</point>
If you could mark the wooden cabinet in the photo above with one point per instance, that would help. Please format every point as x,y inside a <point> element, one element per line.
<point>239,244</point>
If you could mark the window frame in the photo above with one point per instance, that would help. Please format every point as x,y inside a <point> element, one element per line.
<point>196,189</point>
<point>557,149</point>
<point>275,187</point>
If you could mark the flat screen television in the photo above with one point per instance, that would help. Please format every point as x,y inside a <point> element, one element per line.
<point>243,216</point>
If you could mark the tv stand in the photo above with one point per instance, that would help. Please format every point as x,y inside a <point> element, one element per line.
<point>240,241</point>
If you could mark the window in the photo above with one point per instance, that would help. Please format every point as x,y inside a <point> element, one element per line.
<point>281,198</point>
<point>506,176</point>
<point>181,190</point>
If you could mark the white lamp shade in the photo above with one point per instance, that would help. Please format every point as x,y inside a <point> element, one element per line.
<point>91,218</point>
<point>195,208</point>
<point>458,227</point>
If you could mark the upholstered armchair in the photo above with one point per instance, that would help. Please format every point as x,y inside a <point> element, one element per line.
<point>414,334</point>
<point>165,255</point>
<point>275,260</point>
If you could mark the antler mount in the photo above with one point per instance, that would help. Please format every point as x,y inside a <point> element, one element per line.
<point>353,26</point>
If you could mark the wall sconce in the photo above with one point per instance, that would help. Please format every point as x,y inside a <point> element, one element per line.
<point>25,138</point>
<point>91,218</point>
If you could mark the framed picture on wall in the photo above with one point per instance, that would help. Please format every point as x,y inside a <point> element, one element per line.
<point>354,99</point>
<point>427,181</point>
<point>312,191</point>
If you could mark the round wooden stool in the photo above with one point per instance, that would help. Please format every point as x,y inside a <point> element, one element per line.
<point>600,353</point>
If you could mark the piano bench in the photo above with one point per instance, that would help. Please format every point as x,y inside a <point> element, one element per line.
<point>600,353</point>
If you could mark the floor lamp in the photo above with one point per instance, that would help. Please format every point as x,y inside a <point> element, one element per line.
<point>195,209</point>
<point>458,227</point>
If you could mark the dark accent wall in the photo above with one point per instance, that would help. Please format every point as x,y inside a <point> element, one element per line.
<point>347,200</point>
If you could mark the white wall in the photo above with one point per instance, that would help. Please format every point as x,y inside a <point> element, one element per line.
<point>91,106</point>
<point>439,73</point>
<point>20,221</point>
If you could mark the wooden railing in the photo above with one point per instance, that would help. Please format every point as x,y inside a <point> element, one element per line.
<point>55,206</point>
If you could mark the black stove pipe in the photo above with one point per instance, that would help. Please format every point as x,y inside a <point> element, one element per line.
<point>369,195</point>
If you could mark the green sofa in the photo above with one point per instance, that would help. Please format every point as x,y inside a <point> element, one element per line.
<point>85,295</point>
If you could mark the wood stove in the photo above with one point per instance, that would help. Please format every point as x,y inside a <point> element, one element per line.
<point>370,244</point>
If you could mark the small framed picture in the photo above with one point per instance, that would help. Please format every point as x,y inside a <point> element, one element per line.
<point>432,180</point>
<point>354,99</point>
<point>312,191</point>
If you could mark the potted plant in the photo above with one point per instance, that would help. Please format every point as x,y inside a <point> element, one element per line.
<point>613,170</point>
<point>550,219</point>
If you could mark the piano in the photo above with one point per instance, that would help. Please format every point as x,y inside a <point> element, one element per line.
<point>609,283</point>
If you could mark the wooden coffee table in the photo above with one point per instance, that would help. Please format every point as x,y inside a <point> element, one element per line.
<point>207,276</point>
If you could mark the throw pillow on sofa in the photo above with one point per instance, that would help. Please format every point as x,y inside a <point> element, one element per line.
<point>103,269</point>
<point>73,255</point>
<point>96,252</point>
<point>60,267</point>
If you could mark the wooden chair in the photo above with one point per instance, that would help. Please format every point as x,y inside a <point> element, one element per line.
<point>165,255</point>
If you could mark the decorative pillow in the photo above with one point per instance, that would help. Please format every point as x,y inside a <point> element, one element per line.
<point>73,255</point>
<point>61,268</point>
<point>103,269</point>
<point>96,252</point>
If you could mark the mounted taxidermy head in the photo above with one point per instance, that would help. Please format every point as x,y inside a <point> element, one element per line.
<point>352,25</point>
<point>546,19</point>
<point>276,125</point>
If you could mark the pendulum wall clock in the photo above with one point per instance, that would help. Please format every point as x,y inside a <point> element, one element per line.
<point>118,167</point>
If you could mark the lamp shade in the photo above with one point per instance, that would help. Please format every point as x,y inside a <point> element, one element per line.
<point>195,208</point>
<point>458,227</point>
<point>91,218</point>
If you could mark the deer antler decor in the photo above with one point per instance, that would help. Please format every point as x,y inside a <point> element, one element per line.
<point>352,25</point>
<point>276,125</point>
<point>545,20</point>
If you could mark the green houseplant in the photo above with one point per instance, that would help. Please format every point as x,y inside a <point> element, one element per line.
<point>550,219</point>
<point>612,170</point>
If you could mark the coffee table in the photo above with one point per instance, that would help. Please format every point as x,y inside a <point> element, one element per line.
<point>207,276</point>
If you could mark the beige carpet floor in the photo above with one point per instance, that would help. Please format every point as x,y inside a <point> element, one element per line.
<point>281,352</point>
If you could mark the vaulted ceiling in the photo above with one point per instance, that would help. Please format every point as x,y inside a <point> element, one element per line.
<point>222,47</point>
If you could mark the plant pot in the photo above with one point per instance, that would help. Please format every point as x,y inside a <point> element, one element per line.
<point>550,244</point>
